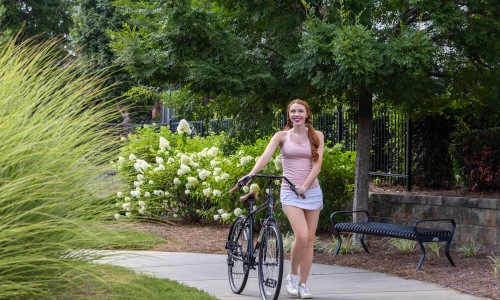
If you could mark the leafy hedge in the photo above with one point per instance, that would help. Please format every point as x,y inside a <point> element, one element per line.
<point>168,175</point>
<point>477,156</point>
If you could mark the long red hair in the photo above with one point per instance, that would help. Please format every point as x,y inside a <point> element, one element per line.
<point>311,134</point>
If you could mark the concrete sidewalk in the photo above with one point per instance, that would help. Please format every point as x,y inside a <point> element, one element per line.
<point>208,272</point>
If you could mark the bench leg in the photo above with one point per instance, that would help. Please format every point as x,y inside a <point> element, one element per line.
<point>422,255</point>
<point>362,240</point>
<point>339,239</point>
<point>447,251</point>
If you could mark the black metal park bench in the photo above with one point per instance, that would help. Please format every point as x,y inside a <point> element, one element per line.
<point>416,232</point>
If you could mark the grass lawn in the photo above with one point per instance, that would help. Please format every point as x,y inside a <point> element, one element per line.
<point>113,282</point>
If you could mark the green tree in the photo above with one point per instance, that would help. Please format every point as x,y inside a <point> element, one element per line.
<point>91,44</point>
<point>254,56</point>
<point>43,19</point>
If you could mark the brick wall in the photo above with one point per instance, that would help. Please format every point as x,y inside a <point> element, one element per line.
<point>477,219</point>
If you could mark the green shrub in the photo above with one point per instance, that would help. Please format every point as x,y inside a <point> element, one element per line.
<point>349,246</point>
<point>477,158</point>
<point>495,264</point>
<point>190,179</point>
<point>402,245</point>
<point>469,248</point>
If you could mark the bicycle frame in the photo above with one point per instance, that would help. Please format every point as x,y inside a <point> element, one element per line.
<point>250,220</point>
<point>242,252</point>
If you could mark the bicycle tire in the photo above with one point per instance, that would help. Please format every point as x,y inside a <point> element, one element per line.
<point>271,262</point>
<point>237,255</point>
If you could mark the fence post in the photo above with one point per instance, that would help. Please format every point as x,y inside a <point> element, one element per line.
<point>408,154</point>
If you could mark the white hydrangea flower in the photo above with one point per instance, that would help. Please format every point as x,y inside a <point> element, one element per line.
<point>177,181</point>
<point>141,211</point>
<point>246,159</point>
<point>135,193</point>
<point>254,187</point>
<point>158,192</point>
<point>203,174</point>
<point>159,160</point>
<point>185,169</point>
<point>217,171</point>
<point>164,143</point>
<point>161,167</point>
<point>225,176</point>
<point>121,159</point>
<point>128,214</point>
<point>207,192</point>
<point>126,205</point>
<point>147,194</point>
<point>216,217</point>
<point>167,193</point>
<point>245,189</point>
<point>151,182</point>
<point>214,151</point>
<point>237,211</point>
<point>117,216</point>
<point>141,165</point>
<point>225,216</point>
<point>213,163</point>
<point>183,127</point>
<point>141,203</point>
<point>137,183</point>
<point>192,180</point>
<point>216,193</point>
<point>132,157</point>
<point>119,194</point>
<point>186,192</point>
<point>217,178</point>
<point>221,211</point>
<point>140,177</point>
<point>127,199</point>
<point>171,160</point>
<point>277,163</point>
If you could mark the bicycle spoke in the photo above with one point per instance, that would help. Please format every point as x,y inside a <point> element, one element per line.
<point>237,256</point>
<point>271,263</point>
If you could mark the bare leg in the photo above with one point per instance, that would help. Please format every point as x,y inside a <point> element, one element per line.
<point>304,224</point>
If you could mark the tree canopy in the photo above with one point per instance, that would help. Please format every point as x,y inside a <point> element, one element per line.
<point>43,19</point>
<point>254,56</point>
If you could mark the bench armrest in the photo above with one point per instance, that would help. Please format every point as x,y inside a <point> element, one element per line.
<point>336,213</point>
<point>451,221</point>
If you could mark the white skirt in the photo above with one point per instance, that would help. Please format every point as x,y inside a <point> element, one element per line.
<point>313,200</point>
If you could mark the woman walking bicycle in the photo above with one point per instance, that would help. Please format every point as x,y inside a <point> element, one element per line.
<point>301,154</point>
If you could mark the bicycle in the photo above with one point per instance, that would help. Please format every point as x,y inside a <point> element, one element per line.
<point>242,254</point>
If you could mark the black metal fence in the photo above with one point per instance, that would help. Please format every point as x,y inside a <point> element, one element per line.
<point>390,158</point>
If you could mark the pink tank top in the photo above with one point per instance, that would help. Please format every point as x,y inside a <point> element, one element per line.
<point>297,162</point>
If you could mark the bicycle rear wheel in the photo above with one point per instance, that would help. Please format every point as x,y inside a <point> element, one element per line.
<point>237,255</point>
<point>271,262</point>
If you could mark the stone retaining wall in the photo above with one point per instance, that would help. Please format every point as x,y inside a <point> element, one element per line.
<point>478,220</point>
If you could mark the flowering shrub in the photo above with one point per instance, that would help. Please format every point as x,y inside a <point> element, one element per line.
<point>191,180</point>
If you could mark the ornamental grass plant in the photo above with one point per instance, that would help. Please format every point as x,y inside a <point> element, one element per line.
<point>53,147</point>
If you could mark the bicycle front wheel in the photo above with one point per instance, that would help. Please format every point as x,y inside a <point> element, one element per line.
<point>271,262</point>
<point>237,255</point>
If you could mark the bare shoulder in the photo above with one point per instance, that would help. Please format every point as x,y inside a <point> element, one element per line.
<point>280,136</point>
<point>320,134</point>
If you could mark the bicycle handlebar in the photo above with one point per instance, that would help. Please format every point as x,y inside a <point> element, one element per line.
<point>247,179</point>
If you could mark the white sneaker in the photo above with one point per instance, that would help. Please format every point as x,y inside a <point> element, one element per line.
<point>291,284</point>
<point>304,292</point>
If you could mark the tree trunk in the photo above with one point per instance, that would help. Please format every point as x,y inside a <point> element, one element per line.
<point>363,148</point>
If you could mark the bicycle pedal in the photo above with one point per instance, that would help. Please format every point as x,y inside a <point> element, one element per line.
<point>270,283</point>
<point>231,245</point>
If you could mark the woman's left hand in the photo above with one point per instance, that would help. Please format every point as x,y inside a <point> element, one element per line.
<point>299,189</point>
